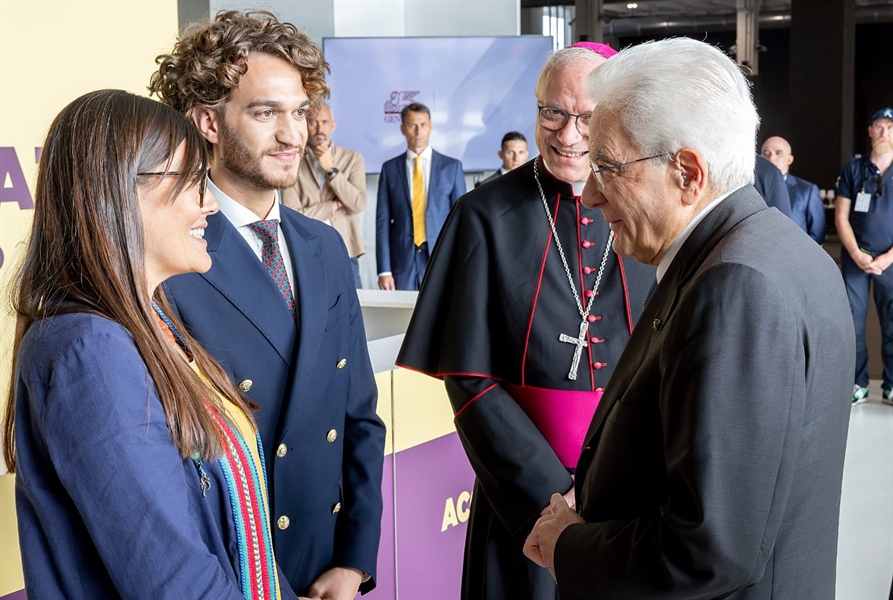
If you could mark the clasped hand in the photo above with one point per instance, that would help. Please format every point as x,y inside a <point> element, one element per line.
<point>540,544</point>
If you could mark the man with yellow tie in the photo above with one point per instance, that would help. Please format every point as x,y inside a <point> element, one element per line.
<point>416,191</point>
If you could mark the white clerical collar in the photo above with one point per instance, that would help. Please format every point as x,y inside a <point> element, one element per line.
<point>236,213</point>
<point>667,259</point>
<point>426,153</point>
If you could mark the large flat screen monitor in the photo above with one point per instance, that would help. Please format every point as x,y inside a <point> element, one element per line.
<point>477,88</point>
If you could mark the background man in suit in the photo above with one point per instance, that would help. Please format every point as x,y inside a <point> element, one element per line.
<point>713,465</point>
<point>864,219</point>
<point>513,153</point>
<point>769,184</point>
<point>416,191</point>
<point>331,186</point>
<point>807,209</point>
<point>278,308</point>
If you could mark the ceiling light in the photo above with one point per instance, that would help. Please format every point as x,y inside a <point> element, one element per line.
<point>632,5</point>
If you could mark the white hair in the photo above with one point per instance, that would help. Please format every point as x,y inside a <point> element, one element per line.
<point>682,93</point>
<point>560,60</point>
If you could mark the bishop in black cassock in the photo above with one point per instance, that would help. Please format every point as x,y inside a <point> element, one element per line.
<point>497,320</point>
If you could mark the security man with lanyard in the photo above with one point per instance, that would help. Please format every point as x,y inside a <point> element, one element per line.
<point>864,220</point>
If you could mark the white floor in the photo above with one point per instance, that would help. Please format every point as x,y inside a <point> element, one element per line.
<point>865,550</point>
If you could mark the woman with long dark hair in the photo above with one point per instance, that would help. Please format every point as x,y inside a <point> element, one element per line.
<point>139,472</point>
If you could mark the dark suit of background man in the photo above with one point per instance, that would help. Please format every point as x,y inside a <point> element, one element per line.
<point>524,314</point>
<point>513,153</point>
<point>864,220</point>
<point>769,183</point>
<point>296,345</point>
<point>713,465</point>
<point>416,191</point>
<point>331,186</point>
<point>807,209</point>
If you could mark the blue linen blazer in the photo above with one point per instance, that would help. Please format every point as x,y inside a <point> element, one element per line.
<point>807,209</point>
<point>330,490</point>
<point>106,506</point>
<point>394,246</point>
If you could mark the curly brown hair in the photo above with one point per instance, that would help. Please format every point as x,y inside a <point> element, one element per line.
<point>209,59</point>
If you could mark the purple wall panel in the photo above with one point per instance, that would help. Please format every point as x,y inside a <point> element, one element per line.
<point>385,580</point>
<point>434,482</point>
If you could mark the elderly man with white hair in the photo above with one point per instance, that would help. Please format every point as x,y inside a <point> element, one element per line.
<point>713,465</point>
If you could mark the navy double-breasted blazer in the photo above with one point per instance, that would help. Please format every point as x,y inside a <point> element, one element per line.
<point>314,384</point>
<point>394,245</point>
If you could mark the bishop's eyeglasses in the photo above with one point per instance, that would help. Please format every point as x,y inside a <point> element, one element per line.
<point>555,119</point>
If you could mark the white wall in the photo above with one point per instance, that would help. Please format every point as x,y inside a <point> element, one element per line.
<point>390,18</point>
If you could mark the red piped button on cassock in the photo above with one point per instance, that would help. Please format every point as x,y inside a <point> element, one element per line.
<point>586,221</point>
<point>596,340</point>
<point>587,244</point>
<point>588,293</point>
<point>588,270</point>
<point>599,365</point>
<point>594,318</point>
<point>602,390</point>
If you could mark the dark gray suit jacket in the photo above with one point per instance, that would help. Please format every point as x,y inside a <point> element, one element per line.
<point>713,464</point>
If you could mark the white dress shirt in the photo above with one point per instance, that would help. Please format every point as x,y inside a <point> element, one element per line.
<point>426,168</point>
<point>242,217</point>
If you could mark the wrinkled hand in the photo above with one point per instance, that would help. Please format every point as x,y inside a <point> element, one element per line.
<point>569,497</point>
<point>324,156</point>
<point>338,583</point>
<point>386,282</point>
<point>540,544</point>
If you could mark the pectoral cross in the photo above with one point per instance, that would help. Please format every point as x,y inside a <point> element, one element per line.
<point>580,343</point>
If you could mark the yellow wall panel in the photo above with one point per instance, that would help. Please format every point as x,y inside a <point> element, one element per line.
<point>51,52</point>
<point>421,408</point>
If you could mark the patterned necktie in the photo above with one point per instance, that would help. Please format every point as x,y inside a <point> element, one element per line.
<point>418,203</point>
<point>272,259</point>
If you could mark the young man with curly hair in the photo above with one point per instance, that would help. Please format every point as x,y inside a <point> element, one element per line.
<point>278,308</point>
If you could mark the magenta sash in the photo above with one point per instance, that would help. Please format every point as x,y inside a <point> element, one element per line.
<point>562,416</point>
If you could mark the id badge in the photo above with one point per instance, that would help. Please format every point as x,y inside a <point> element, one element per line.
<point>863,200</point>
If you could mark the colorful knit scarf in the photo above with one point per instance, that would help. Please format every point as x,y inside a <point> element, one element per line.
<point>244,481</point>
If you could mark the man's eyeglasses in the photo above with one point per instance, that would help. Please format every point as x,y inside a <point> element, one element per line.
<point>555,119</point>
<point>613,171</point>
<point>202,182</point>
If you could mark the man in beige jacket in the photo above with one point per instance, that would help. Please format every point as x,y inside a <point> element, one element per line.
<point>331,185</point>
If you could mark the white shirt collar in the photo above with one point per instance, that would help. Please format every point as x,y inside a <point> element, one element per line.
<point>425,154</point>
<point>236,213</point>
<point>667,259</point>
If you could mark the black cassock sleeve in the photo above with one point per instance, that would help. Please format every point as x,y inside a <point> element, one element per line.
<point>515,465</point>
